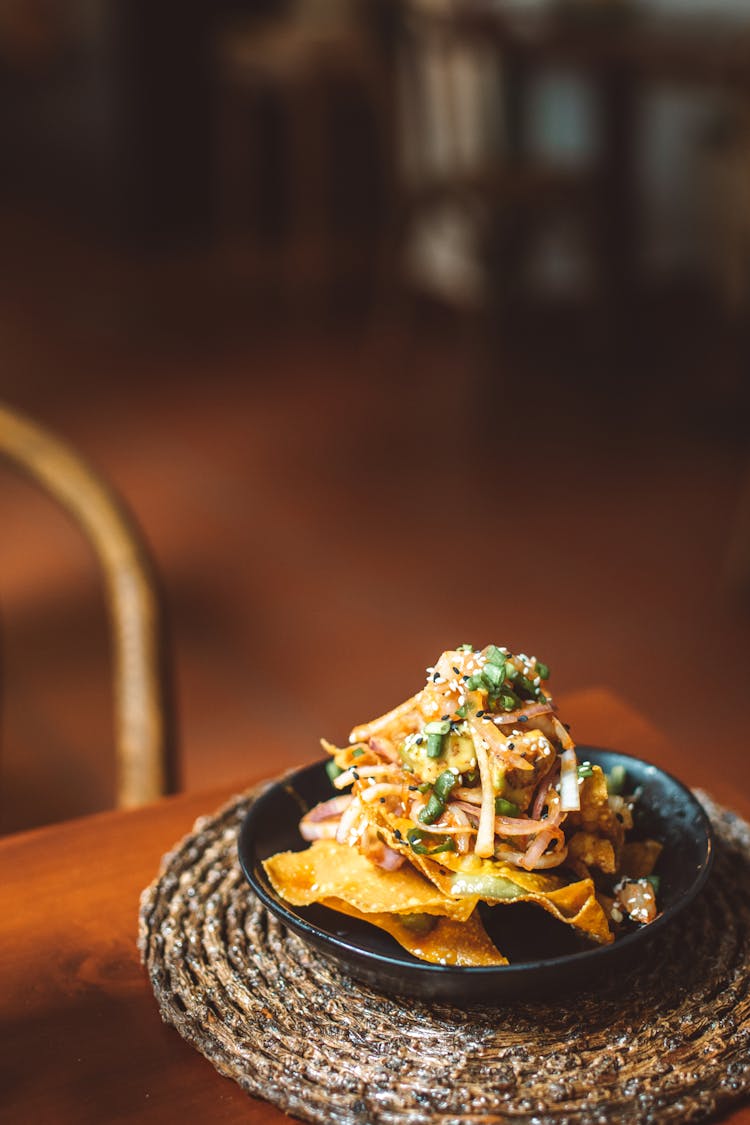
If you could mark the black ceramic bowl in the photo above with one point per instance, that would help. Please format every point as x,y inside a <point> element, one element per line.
<point>546,956</point>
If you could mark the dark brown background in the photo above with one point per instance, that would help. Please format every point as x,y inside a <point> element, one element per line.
<point>339,473</point>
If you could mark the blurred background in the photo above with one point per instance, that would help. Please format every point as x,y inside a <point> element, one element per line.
<point>397,325</point>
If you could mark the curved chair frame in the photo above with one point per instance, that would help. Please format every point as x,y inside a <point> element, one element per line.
<point>142,710</point>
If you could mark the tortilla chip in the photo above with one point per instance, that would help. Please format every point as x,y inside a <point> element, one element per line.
<point>328,870</point>
<point>638,859</point>
<point>575,903</point>
<point>593,850</point>
<point>443,941</point>
<point>596,815</point>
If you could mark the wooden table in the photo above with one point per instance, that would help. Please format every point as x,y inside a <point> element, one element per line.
<point>82,1039</point>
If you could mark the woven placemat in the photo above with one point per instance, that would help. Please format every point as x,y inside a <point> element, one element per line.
<point>668,1042</point>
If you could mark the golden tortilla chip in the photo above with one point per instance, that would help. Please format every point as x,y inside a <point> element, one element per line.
<point>594,851</point>
<point>442,941</point>
<point>574,903</point>
<point>328,870</point>
<point>596,816</point>
<point>638,859</point>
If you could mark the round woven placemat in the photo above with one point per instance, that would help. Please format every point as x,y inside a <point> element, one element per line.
<point>668,1042</point>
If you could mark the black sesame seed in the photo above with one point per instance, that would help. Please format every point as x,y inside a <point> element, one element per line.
<point>523,718</point>
<point>511,745</point>
<point>382,800</point>
<point>479,714</point>
<point>444,717</point>
<point>414,788</point>
<point>457,671</point>
<point>436,677</point>
<point>355,775</point>
<point>397,833</point>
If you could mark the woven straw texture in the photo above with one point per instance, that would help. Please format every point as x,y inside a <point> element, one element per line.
<point>669,1042</point>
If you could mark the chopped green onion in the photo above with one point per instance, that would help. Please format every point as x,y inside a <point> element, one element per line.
<point>474,682</point>
<point>470,777</point>
<point>415,836</point>
<point>494,655</point>
<point>332,769</point>
<point>417,923</point>
<point>465,648</point>
<point>462,710</point>
<point>542,670</point>
<point>358,752</point>
<point>585,770</point>
<point>616,780</point>
<point>506,808</point>
<point>655,882</point>
<point>433,810</point>
<point>509,701</point>
<point>441,726</point>
<point>435,806</point>
<point>444,784</point>
<point>493,675</point>
<point>434,745</point>
<point>525,684</point>
<point>425,787</point>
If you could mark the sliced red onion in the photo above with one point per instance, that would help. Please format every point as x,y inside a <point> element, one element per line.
<point>388,859</point>
<point>484,844</point>
<point>324,830</point>
<point>471,810</point>
<point>542,791</point>
<point>384,748</point>
<point>518,826</point>
<point>333,807</point>
<point>463,837</point>
<point>448,829</point>
<point>348,823</point>
<point>347,777</point>
<point>536,850</point>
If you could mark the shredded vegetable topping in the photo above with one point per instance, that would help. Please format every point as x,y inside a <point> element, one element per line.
<point>473,785</point>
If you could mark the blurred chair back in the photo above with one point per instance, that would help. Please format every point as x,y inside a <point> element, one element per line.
<point>143,720</point>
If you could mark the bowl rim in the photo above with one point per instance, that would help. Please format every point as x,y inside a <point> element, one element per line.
<point>597,955</point>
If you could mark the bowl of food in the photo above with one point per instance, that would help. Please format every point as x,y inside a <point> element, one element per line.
<point>462,848</point>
